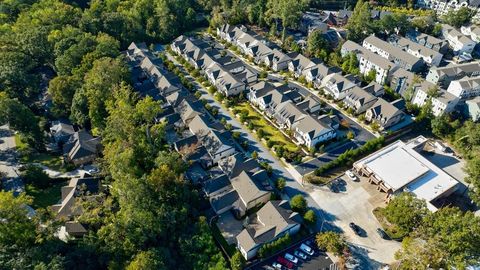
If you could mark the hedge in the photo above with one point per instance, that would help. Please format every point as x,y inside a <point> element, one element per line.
<point>347,158</point>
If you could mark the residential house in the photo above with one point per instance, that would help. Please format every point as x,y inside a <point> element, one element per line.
<point>431,42</point>
<point>430,56</point>
<point>189,109</point>
<point>359,100</point>
<point>401,80</point>
<point>384,113</point>
<point>277,60</point>
<point>81,148</point>
<point>473,31</point>
<point>225,82</point>
<point>375,89</point>
<point>312,21</point>
<point>233,165</point>
<point>67,209</point>
<point>338,86</point>
<point>369,61</point>
<point>442,101</point>
<point>441,7</point>
<point>299,63</point>
<point>310,131</point>
<point>253,190</point>
<point>217,186</point>
<point>275,219</point>
<point>459,42</point>
<point>309,105</point>
<point>287,114</point>
<point>61,131</point>
<point>393,54</point>
<point>343,16</point>
<point>465,87</point>
<point>215,142</point>
<point>444,75</point>
<point>316,73</point>
<point>473,108</point>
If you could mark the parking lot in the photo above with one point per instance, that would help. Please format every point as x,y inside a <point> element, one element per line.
<point>318,261</point>
<point>353,201</point>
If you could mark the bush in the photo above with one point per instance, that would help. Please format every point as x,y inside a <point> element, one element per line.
<point>310,218</point>
<point>254,154</point>
<point>331,242</point>
<point>261,133</point>
<point>298,204</point>
<point>281,183</point>
<point>237,262</point>
<point>35,176</point>
<point>236,135</point>
<point>275,246</point>
<point>270,143</point>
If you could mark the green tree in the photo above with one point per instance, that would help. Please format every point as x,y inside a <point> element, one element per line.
<point>458,18</point>
<point>331,241</point>
<point>35,176</point>
<point>281,184</point>
<point>254,154</point>
<point>359,24</point>
<point>406,212</point>
<point>237,261</point>
<point>298,204</point>
<point>310,217</point>
<point>151,259</point>
<point>316,43</point>
<point>288,12</point>
<point>62,89</point>
<point>16,227</point>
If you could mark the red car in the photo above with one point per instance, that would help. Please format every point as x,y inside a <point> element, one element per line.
<point>285,262</point>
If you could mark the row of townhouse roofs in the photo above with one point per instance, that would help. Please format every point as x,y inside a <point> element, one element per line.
<point>443,6</point>
<point>241,185</point>
<point>287,107</point>
<point>322,76</point>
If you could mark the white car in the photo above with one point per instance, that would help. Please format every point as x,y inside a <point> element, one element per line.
<point>277,266</point>
<point>351,175</point>
<point>306,249</point>
<point>291,258</point>
<point>300,254</point>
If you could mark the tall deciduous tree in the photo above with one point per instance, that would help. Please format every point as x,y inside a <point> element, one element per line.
<point>288,12</point>
<point>360,24</point>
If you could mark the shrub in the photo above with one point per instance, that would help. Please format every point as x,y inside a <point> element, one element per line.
<point>251,126</point>
<point>261,133</point>
<point>236,135</point>
<point>198,94</point>
<point>254,154</point>
<point>310,217</point>
<point>275,246</point>
<point>237,262</point>
<point>270,143</point>
<point>298,203</point>
<point>331,241</point>
<point>281,183</point>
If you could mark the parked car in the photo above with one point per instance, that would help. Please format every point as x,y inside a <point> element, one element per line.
<point>382,233</point>
<point>277,265</point>
<point>291,258</point>
<point>300,254</point>
<point>306,249</point>
<point>355,228</point>
<point>333,187</point>
<point>288,264</point>
<point>351,175</point>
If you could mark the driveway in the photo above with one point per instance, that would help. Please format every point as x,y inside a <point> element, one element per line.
<point>8,157</point>
<point>230,227</point>
<point>354,203</point>
<point>310,165</point>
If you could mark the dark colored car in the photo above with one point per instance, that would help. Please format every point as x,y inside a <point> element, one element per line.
<point>355,228</point>
<point>288,264</point>
<point>382,233</point>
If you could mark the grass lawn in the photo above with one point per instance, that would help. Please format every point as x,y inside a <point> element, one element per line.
<point>260,122</point>
<point>20,144</point>
<point>51,161</point>
<point>392,231</point>
<point>45,197</point>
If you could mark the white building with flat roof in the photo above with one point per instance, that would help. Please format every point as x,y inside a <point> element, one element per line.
<point>400,167</point>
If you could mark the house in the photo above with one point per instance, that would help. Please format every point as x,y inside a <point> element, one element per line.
<point>430,56</point>
<point>275,219</point>
<point>441,7</point>
<point>216,143</point>
<point>299,63</point>
<point>316,73</point>
<point>473,31</point>
<point>81,148</point>
<point>442,102</point>
<point>465,87</point>
<point>287,114</point>
<point>392,53</point>
<point>277,60</point>
<point>253,190</point>
<point>431,42</point>
<point>188,109</point>
<point>369,61</point>
<point>359,100</point>
<point>61,131</point>
<point>375,89</point>
<point>309,131</point>
<point>343,16</point>
<point>85,185</point>
<point>400,167</point>
<point>233,165</point>
<point>385,114</point>
<point>459,42</point>
<point>338,86</point>
<point>225,82</point>
<point>401,80</point>
<point>312,21</point>
<point>216,186</point>
<point>444,75</point>
<point>309,105</point>
<point>473,108</point>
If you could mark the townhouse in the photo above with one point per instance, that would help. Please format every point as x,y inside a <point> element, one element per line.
<point>311,131</point>
<point>369,61</point>
<point>338,86</point>
<point>473,108</point>
<point>465,88</point>
<point>441,7</point>
<point>473,31</point>
<point>458,42</point>
<point>430,56</point>
<point>385,114</point>
<point>299,63</point>
<point>441,102</point>
<point>359,100</point>
<point>401,80</point>
<point>277,60</point>
<point>443,76</point>
<point>428,41</point>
